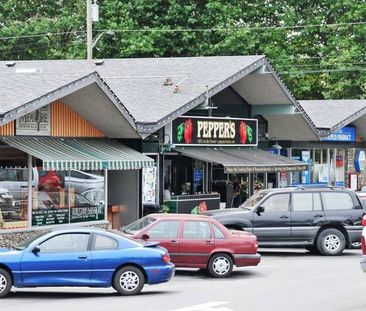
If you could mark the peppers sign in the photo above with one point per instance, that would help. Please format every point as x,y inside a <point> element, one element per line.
<point>193,131</point>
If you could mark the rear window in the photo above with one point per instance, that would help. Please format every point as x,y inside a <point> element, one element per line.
<point>337,201</point>
<point>138,225</point>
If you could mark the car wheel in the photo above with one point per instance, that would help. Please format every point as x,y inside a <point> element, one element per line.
<point>220,265</point>
<point>128,281</point>
<point>6,283</point>
<point>356,245</point>
<point>331,242</point>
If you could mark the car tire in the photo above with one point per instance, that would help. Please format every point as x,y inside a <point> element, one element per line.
<point>355,245</point>
<point>128,281</point>
<point>220,265</point>
<point>331,242</point>
<point>6,283</point>
<point>312,249</point>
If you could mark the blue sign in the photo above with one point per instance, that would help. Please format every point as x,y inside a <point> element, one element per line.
<point>360,161</point>
<point>346,134</point>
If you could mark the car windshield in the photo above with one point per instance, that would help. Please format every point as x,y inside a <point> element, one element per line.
<point>138,225</point>
<point>254,199</point>
<point>23,245</point>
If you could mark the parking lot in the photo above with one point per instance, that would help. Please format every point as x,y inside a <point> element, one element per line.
<point>286,279</point>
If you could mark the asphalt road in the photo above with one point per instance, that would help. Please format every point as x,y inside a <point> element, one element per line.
<point>284,280</point>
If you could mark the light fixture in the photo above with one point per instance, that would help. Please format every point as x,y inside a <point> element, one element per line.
<point>276,146</point>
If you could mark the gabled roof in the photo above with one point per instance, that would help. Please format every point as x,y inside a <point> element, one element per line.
<point>331,115</point>
<point>138,84</point>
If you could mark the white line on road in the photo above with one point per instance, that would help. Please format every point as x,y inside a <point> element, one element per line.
<point>210,306</point>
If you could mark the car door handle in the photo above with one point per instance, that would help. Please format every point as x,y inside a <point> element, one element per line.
<point>174,242</point>
<point>209,242</point>
<point>83,257</point>
<point>318,215</point>
<point>283,216</point>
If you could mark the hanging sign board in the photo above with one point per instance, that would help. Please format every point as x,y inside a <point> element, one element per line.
<point>36,123</point>
<point>345,134</point>
<point>201,131</point>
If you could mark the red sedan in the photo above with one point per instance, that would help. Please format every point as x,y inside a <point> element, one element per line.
<point>197,241</point>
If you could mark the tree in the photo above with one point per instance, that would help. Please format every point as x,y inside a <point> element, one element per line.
<point>314,45</point>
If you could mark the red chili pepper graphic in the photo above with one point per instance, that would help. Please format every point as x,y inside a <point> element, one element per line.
<point>188,130</point>
<point>243,132</point>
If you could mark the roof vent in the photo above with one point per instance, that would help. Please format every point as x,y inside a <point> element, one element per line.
<point>10,64</point>
<point>27,70</point>
<point>168,81</point>
<point>99,62</point>
<point>176,89</point>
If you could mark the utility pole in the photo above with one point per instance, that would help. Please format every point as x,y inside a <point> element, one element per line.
<point>89,30</point>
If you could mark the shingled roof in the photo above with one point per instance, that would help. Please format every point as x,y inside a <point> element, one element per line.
<point>138,84</point>
<point>332,115</point>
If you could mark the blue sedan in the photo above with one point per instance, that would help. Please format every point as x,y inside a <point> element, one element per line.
<point>84,257</point>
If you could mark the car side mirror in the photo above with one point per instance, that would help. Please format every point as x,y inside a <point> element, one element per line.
<point>36,249</point>
<point>145,237</point>
<point>260,209</point>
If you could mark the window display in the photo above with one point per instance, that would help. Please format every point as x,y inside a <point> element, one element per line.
<point>58,197</point>
<point>62,197</point>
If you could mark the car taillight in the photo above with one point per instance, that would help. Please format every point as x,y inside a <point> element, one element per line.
<point>363,221</point>
<point>363,245</point>
<point>166,258</point>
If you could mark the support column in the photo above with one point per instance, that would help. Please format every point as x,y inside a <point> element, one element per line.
<point>30,190</point>
<point>334,166</point>
<point>289,174</point>
<point>328,166</point>
<point>105,194</point>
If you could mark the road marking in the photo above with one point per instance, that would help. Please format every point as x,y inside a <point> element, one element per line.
<point>210,306</point>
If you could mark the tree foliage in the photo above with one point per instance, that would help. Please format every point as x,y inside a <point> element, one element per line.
<point>316,46</point>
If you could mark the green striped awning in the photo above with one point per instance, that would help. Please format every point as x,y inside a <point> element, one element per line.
<point>81,154</point>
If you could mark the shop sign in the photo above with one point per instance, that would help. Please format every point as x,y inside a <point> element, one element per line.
<point>36,123</point>
<point>199,131</point>
<point>346,134</point>
<point>149,185</point>
<point>359,161</point>
<point>46,217</point>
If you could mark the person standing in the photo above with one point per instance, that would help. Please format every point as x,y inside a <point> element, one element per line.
<point>167,192</point>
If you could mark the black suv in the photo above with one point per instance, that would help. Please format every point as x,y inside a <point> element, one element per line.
<point>326,219</point>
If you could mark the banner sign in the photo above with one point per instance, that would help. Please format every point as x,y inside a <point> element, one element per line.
<point>360,160</point>
<point>36,123</point>
<point>201,131</point>
<point>346,134</point>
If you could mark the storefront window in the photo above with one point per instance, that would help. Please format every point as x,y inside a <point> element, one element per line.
<point>13,190</point>
<point>61,197</point>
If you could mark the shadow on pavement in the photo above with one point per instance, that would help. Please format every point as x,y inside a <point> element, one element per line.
<point>302,253</point>
<point>48,295</point>
<point>202,274</point>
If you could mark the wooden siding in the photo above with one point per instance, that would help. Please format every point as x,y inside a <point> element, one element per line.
<point>67,123</point>
<point>7,129</point>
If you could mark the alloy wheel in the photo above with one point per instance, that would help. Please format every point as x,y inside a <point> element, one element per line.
<point>332,242</point>
<point>129,281</point>
<point>221,265</point>
<point>3,283</point>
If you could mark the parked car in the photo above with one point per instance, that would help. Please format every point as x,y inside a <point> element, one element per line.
<point>324,219</point>
<point>196,241</point>
<point>363,245</point>
<point>84,257</point>
<point>95,196</point>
